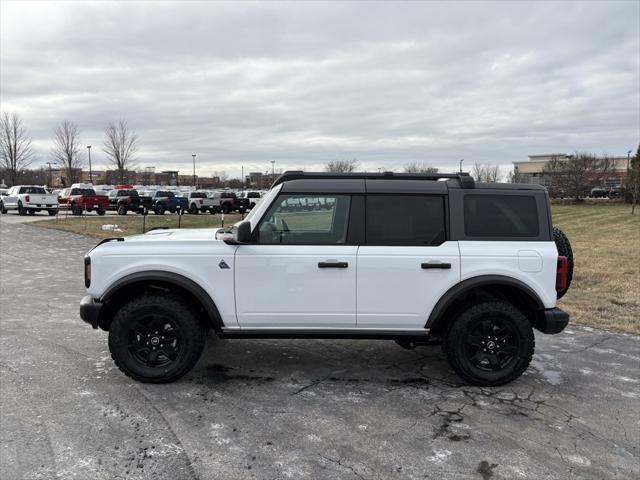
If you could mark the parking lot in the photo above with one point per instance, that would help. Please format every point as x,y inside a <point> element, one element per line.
<point>291,408</point>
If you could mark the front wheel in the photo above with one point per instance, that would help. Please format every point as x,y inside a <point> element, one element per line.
<point>490,344</point>
<point>159,210</point>
<point>193,209</point>
<point>156,338</point>
<point>122,210</point>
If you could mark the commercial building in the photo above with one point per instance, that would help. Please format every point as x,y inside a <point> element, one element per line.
<point>533,170</point>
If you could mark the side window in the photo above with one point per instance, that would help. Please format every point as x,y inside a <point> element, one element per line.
<point>306,220</point>
<point>410,220</point>
<point>500,216</point>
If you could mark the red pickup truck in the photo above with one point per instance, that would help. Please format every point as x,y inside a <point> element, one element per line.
<point>82,197</point>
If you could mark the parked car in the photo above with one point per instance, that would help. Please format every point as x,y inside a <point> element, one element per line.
<point>599,192</point>
<point>226,201</point>
<point>474,266</point>
<point>124,198</point>
<point>165,200</point>
<point>29,199</point>
<point>199,202</point>
<point>253,196</point>
<point>81,197</point>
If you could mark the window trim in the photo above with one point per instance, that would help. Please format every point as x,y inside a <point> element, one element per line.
<point>445,212</point>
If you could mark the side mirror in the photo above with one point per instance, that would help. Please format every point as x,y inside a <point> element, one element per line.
<point>243,232</point>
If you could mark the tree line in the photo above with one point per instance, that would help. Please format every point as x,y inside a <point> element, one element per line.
<point>67,151</point>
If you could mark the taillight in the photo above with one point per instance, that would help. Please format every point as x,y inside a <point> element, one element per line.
<point>87,271</point>
<point>561,273</point>
<point>26,199</point>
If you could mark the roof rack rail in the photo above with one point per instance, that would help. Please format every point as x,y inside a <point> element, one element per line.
<point>466,180</point>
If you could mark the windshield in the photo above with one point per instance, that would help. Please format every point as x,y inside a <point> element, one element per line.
<point>165,194</point>
<point>258,210</point>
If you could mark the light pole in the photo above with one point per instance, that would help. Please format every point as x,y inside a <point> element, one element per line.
<point>194,169</point>
<point>461,160</point>
<point>273,170</point>
<point>90,173</point>
<point>50,175</point>
<point>628,159</point>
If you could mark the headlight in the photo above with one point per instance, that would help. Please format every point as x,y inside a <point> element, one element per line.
<point>87,271</point>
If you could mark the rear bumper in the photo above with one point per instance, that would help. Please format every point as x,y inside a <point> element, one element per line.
<point>90,310</point>
<point>555,320</point>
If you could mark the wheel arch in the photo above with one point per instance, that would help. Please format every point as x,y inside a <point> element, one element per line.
<point>475,289</point>
<point>134,284</point>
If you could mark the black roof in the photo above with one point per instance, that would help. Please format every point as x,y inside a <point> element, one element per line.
<point>385,182</point>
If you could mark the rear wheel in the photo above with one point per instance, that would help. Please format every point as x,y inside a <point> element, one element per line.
<point>226,208</point>
<point>52,212</point>
<point>564,250</point>
<point>76,210</point>
<point>490,344</point>
<point>156,338</point>
<point>101,211</point>
<point>193,209</point>
<point>2,209</point>
<point>21,209</point>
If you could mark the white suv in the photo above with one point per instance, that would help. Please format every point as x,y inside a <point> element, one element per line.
<point>373,256</point>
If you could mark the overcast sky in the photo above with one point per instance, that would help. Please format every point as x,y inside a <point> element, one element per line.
<point>306,83</point>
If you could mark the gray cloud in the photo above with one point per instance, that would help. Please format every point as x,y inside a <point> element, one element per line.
<point>304,83</point>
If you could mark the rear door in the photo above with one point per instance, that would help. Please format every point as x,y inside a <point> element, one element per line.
<point>301,272</point>
<point>407,263</point>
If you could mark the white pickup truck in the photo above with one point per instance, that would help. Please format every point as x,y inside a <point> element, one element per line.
<point>199,202</point>
<point>29,199</point>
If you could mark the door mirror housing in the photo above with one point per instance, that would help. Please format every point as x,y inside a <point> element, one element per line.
<point>239,234</point>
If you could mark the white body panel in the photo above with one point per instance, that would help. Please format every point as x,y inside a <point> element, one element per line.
<point>194,254</point>
<point>533,263</point>
<point>282,285</point>
<point>394,291</point>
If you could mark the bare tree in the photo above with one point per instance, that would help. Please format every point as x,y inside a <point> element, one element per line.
<point>341,166</point>
<point>514,176</point>
<point>632,182</point>
<point>573,175</point>
<point>15,145</point>
<point>419,167</point>
<point>120,147</point>
<point>485,172</point>
<point>67,150</point>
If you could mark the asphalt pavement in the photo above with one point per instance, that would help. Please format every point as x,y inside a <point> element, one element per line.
<point>277,409</point>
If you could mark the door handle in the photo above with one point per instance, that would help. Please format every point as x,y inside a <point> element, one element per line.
<point>332,264</point>
<point>441,266</point>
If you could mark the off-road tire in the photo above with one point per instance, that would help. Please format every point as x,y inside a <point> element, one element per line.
<point>458,336</point>
<point>564,249</point>
<point>122,210</point>
<point>191,330</point>
<point>193,209</point>
<point>159,210</point>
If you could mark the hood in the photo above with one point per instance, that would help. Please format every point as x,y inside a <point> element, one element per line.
<point>176,235</point>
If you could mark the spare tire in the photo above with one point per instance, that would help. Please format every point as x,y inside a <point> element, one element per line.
<point>564,249</point>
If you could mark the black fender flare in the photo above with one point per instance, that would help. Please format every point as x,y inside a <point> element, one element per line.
<point>189,285</point>
<point>469,284</point>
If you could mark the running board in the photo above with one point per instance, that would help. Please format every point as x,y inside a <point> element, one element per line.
<point>363,334</point>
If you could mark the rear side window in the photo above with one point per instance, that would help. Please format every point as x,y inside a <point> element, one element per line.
<point>500,216</point>
<point>405,220</point>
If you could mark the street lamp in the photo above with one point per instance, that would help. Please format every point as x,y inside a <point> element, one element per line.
<point>273,171</point>
<point>194,169</point>
<point>90,174</point>
<point>461,160</point>
<point>628,159</point>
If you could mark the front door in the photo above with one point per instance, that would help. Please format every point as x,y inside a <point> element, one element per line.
<point>406,264</point>
<point>300,273</point>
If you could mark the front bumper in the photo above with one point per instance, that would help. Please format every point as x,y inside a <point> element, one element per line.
<point>90,310</point>
<point>555,320</point>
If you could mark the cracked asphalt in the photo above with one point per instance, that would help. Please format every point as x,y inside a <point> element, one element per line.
<point>292,408</point>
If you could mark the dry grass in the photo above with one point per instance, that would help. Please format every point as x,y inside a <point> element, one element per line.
<point>606,241</point>
<point>131,224</point>
<point>605,292</point>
